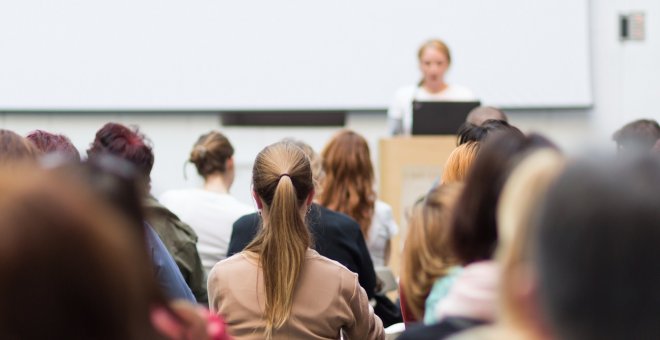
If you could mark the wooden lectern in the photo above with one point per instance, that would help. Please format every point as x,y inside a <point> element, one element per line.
<point>409,166</point>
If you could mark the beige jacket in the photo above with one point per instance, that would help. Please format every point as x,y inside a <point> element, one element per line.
<point>328,299</point>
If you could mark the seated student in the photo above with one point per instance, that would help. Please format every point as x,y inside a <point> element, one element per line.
<point>71,267</point>
<point>348,187</point>
<point>637,137</point>
<point>335,235</point>
<point>470,132</point>
<point>460,162</point>
<point>279,288</point>
<point>14,148</point>
<point>480,114</point>
<point>210,211</point>
<point>118,184</point>
<point>49,143</point>
<point>473,237</point>
<point>425,259</point>
<point>520,197</point>
<point>594,252</point>
<point>178,237</point>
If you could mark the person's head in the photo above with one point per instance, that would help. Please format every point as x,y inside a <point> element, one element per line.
<point>49,143</point>
<point>126,143</point>
<point>470,132</point>
<point>594,250</point>
<point>480,114</point>
<point>15,148</point>
<point>348,186</point>
<point>637,137</point>
<point>314,161</point>
<point>283,189</point>
<point>474,234</point>
<point>525,188</point>
<point>213,154</point>
<point>68,269</point>
<point>459,162</point>
<point>434,60</point>
<point>425,253</point>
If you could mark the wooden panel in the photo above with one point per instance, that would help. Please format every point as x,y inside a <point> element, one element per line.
<point>408,167</point>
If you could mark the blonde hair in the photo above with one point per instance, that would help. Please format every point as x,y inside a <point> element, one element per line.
<point>282,178</point>
<point>459,162</point>
<point>210,153</point>
<point>426,256</point>
<point>520,196</point>
<point>348,186</point>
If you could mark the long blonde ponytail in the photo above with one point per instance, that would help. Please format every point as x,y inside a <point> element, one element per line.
<point>282,179</point>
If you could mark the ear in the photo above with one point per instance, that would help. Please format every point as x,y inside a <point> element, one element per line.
<point>260,205</point>
<point>229,164</point>
<point>310,198</point>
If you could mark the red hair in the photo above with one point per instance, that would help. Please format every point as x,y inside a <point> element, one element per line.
<point>126,143</point>
<point>48,142</point>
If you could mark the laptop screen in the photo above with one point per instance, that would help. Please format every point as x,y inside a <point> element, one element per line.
<point>439,118</point>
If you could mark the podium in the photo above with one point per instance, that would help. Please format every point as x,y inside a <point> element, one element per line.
<point>408,168</point>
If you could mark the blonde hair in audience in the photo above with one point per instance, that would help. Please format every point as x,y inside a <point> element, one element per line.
<point>282,180</point>
<point>348,186</point>
<point>521,194</point>
<point>459,162</point>
<point>425,253</point>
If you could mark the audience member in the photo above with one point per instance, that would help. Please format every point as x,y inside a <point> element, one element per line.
<point>69,270</point>
<point>49,143</point>
<point>426,259</point>
<point>520,197</point>
<point>348,188</point>
<point>210,211</point>
<point>470,132</point>
<point>637,137</point>
<point>473,232</point>
<point>480,114</point>
<point>334,235</point>
<point>178,237</point>
<point>459,162</point>
<point>15,148</point>
<point>594,251</point>
<point>116,181</point>
<point>284,288</point>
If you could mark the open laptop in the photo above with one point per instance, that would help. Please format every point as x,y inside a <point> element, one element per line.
<point>440,118</point>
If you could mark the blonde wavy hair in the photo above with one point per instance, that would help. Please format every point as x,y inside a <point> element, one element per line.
<point>426,256</point>
<point>459,162</point>
<point>282,178</point>
<point>348,186</point>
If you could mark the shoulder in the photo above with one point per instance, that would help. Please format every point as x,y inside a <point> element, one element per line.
<point>459,92</point>
<point>324,264</point>
<point>336,221</point>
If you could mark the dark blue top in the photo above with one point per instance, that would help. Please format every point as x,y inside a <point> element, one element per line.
<point>167,273</point>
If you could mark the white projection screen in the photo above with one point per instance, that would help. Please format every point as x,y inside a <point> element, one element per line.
<point>285,54</point>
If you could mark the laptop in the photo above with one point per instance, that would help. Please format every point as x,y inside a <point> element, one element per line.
<point>439,118</point>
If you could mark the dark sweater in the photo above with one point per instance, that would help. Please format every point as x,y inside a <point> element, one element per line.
<point>336,236</point>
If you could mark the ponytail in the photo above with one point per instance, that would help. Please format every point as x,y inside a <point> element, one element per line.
<point>283,185</point>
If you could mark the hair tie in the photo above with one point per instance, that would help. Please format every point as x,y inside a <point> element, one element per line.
<point>282,175</point>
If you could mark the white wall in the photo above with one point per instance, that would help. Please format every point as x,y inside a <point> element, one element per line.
<point>626,85</point>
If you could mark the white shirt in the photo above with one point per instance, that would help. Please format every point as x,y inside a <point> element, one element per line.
<point>211,215</point>
<point>400,113</point>
<point>383,228</point>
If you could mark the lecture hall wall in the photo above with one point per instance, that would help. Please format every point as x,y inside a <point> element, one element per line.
<point>626,85</point>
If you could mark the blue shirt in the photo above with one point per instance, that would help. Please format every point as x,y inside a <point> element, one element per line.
<point>167,273</point>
